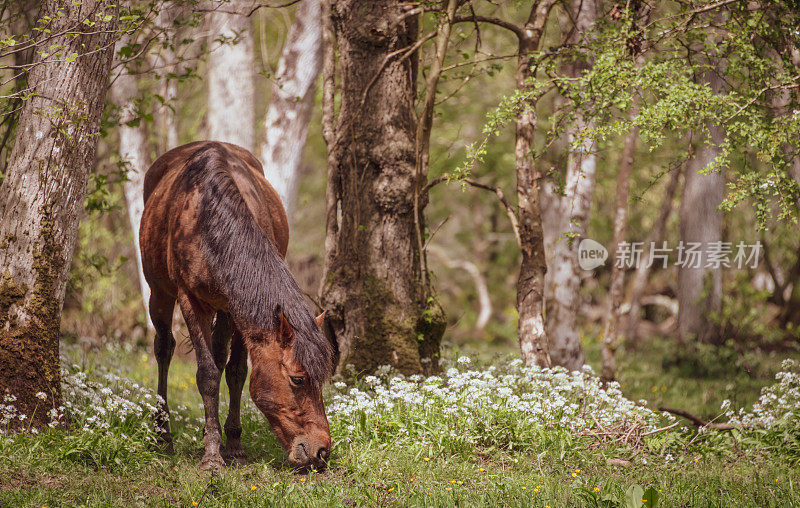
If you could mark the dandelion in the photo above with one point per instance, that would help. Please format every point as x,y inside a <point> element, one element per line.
<point>597,489</point>
<point>194,503</point>
<point>302,479</point>
<point>390,489</point>
<point>448,488</point>
<point>253,487</point>
<point>480,469</point>
<point>426,459</point>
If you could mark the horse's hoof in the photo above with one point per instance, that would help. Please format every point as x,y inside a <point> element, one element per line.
<point>212,463</point>
<point>234,456</point>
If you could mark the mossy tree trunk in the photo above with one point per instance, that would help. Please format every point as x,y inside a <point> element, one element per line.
<point>373,287</point>
<point>43,192</point>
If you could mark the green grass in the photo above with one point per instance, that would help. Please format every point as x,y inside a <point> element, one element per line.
<point>35,470</point>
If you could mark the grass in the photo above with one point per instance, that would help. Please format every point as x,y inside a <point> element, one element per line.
<point>35,470</point>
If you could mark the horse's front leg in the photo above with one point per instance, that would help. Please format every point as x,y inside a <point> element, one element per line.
<point>198,320</point>
<point>235,375</point>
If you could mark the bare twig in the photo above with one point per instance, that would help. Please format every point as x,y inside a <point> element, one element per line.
<point>697,421</point>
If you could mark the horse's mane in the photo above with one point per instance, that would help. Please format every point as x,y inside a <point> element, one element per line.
<point>246,264</point>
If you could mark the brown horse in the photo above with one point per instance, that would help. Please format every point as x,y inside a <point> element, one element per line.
<point>213,237</point>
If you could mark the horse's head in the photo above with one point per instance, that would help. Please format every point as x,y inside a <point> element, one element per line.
<point>290,399</point>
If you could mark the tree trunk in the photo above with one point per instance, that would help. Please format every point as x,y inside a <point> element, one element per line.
<point>572,212</point>
<point>292,102</point>
<point>608,369</point>
<point>700,288</point>
<point>42,196</point>
<point>531,332</point>
<point>165,61</point>
<point>639,281</point>
<point>135,151</point>
<point>372,285</point>
<point>231,76</point>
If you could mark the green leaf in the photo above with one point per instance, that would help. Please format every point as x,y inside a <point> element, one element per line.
<point>650,497</point>
<point>633,497</point>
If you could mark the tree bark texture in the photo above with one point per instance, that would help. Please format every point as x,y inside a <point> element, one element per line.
<point>569,214</point>
<point>372,285</point>
<point>231,75</point>
<point>699,287</point>
<point>608,367</point>
<point>42,196</point>
<point>533,340</point>
<point>292,102</point>
<point>135,151</point>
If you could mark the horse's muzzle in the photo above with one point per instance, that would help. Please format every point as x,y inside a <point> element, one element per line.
<point>309,454</point>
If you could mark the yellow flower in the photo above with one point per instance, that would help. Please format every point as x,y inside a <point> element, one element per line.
<point>411,479</point>
<point>253,487</point>
<point>302,479</point>
<point>481,469</point>
<point>597,489</point>
<point>311,483</point>
<point>574,475</point>
<point>194,503</point>
<point>452,481</point>
<point>390,489</point>
<point>426,459</point>
<point>644,501</point>
<point>577,470</point>
<point>449,488</point>
<point>523,488</point>
<point>460,482</point>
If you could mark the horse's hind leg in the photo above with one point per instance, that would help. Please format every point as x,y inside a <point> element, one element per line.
<point>198,319</point>
<point>235,375</point>
<point>161,307</point>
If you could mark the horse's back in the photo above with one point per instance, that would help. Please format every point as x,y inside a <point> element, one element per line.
<point>177,189</point>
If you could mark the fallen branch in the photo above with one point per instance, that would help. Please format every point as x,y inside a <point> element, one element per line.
<point>662,429</point>
<point>697,421</point>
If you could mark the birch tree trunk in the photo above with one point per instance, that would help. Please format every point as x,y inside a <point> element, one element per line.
<point>165,61</point>
<point>133,149</point>
<point>231,75</point>
<point>42,196</point>
<point>292,102</point>
<point>533,340</point>
<point>571,213</point>
<point>372,285</point>
<point>608,369</point>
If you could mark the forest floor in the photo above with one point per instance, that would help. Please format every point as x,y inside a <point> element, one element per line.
<point>70,468</point>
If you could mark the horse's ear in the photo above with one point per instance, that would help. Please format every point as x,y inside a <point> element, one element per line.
<point>285,332</point>
<point>320,319</point>
<point>330,334</point>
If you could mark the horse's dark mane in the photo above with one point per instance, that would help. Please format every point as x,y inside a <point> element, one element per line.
<point>251,273</point>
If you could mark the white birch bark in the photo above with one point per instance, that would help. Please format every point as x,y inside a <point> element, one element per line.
<point>133,149</point>
<point>292,102</point>
<point>231,75</point>
<point>568,215</point>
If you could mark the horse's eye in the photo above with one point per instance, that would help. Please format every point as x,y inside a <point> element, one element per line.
<point>298,380</point>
